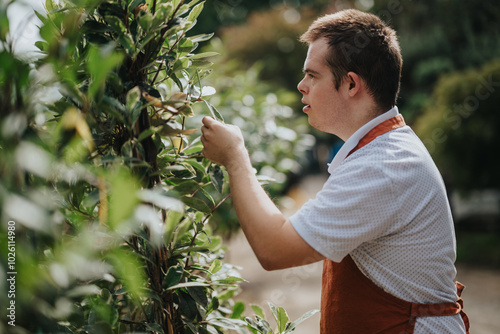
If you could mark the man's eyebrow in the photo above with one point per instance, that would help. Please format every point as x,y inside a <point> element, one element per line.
<point>309,71</point>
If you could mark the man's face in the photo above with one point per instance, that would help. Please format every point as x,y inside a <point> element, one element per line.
<point>325,105</point>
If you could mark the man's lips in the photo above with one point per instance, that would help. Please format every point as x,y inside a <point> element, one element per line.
<point>306,108</point>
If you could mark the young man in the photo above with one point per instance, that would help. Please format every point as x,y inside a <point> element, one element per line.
<point>382,222</point>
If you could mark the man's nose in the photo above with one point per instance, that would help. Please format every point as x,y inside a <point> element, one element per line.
<point>302,87</point>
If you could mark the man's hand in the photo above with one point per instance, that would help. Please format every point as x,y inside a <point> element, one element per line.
<point>222,143</point>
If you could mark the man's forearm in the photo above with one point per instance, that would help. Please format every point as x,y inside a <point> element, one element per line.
<point>271,236</point>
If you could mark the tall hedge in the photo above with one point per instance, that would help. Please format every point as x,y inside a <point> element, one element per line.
<point>104,193</point>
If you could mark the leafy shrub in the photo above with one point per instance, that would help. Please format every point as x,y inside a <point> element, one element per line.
<point>109,196</point>
<point>460,124</point>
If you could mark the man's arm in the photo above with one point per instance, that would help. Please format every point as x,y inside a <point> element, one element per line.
<point>273,239</point>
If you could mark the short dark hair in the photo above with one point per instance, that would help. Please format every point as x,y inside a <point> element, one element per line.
<point>362,43</point>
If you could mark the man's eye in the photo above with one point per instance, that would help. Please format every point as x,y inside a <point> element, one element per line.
<point>310,76</point>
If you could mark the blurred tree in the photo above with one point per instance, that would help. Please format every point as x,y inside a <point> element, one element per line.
<point>271,37</point>
<point>439,37</point>
<point>460,127</point>
<point>224,13</point>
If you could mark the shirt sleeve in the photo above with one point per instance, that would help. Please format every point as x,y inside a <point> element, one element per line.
<point>356,205</point>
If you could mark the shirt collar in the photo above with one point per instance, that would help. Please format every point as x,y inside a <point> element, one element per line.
<point>356,137</point>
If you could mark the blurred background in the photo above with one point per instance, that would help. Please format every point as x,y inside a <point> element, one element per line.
<point>450,95</point>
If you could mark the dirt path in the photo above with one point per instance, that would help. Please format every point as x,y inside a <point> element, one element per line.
<point>298,289</point>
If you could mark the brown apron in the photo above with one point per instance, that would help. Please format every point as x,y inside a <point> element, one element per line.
<point>352,304</point>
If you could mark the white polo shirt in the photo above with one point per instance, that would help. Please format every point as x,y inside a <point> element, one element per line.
<point>386,206</point>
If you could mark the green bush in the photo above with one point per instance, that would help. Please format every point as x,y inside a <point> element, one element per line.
<point>108,195</point>
<point>105,198</point>
<point>459,127</point>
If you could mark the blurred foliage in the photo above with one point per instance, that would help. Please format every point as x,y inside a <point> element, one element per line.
<point>479,248</point>
<point>439,37</point>
<point>283,325</point>
<point>109,196</point>
<point>224,13</point>
<point>460,127</point>
<point>271,38</point>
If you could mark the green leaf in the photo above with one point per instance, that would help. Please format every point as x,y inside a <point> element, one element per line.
<point>160,200</point>
<point>195,165</point>
<point>187,284</point>
<point>146,22</point>
<point>187,187</point>
<point>188,306</point>
<point>215,242</point>
<point>110,9</point>
<point>230,279</point>
<point>238,310</point>
<point>195,12</point>
<point>116,24</point>
<point>95,26</point>
<point>99,63</point>
<point>201,63</point>
<point>123,198</point>
<point>162,14</point>
<point>215,266</point>
<point>176,3</point>
<point>186,111</point>
<point>258,311</point>
<point>233,324</point>
<point>173,277</point>
<point>214,305</point>
<point>217,178</point>
<point>193,2</point>
<point>133,98</point>
<point>42,45</point>
<point>302,318</point>
<point>173,219</point>
<point>261,325</point>
<point>4,24</point>
<point>196,204</point>
<point>201,37</point>
<point>180,64</point>
<point>128,44</point>
<point>183,227</point>
<point>280,316</point>
<point>148,133</point>
<point>206,197</point>
<point>199,294</point>
<point>129,269</point>
<point>204,55</point>
<point>215,113</point>
<point>185,46</point>
<point>134,3</point>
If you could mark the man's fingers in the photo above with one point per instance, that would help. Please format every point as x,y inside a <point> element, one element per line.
<point>207,121</point>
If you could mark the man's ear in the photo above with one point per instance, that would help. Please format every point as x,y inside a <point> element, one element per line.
<point>354,83</point>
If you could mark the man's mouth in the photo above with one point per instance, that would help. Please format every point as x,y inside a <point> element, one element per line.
<point>306,108</point>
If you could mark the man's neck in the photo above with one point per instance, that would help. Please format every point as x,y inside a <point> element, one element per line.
<point>360,115</point>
